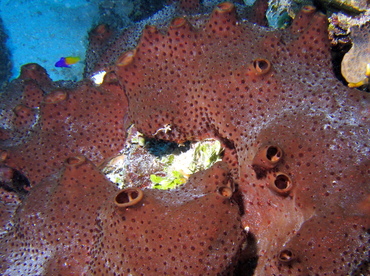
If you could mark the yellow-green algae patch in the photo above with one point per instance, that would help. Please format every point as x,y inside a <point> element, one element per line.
<point>178,167</point>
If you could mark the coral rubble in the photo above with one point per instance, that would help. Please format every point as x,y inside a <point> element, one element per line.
<point>291,196</point>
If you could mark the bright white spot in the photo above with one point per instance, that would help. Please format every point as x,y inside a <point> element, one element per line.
<point>98,77</point>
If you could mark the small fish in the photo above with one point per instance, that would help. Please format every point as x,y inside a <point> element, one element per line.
<point>67,61</point>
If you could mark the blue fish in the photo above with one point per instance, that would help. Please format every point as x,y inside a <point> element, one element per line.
<point>67,61</point>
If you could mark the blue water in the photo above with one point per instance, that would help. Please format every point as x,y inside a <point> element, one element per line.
<point>43,31</point>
